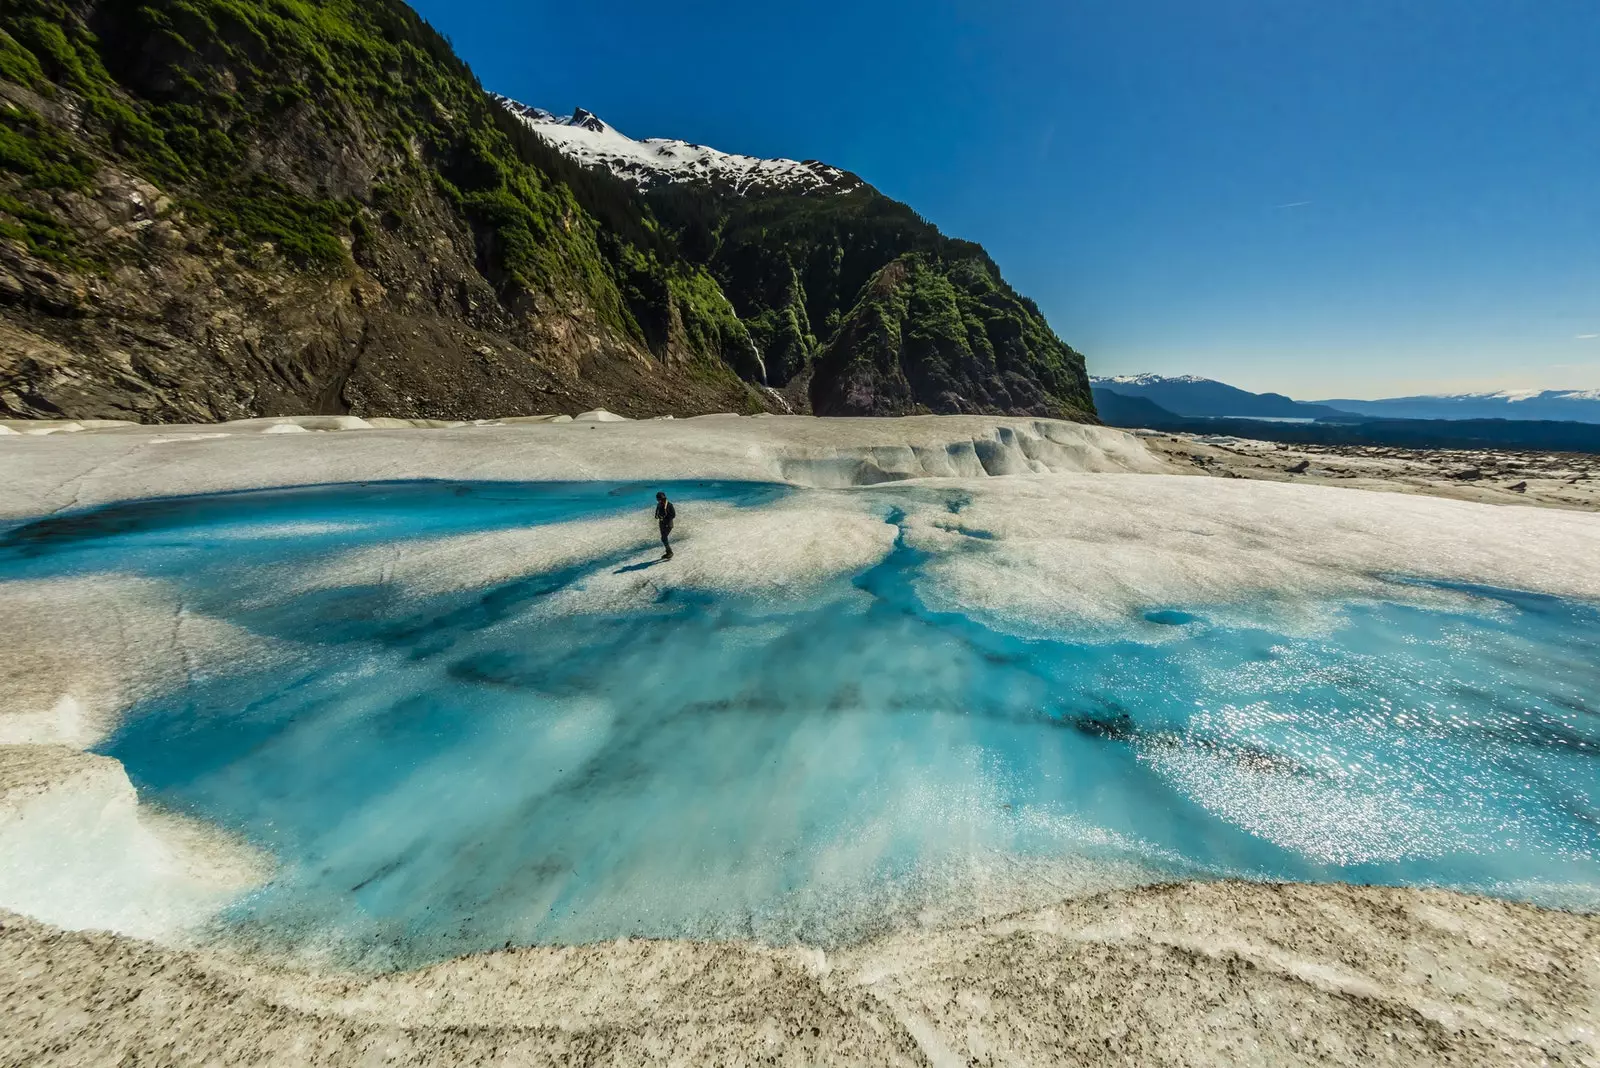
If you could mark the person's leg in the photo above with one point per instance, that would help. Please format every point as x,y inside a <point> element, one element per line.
<point>666,531</point>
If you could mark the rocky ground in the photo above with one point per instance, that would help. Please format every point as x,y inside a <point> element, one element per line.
<point>1495,476</point>
<point>1196,974</point>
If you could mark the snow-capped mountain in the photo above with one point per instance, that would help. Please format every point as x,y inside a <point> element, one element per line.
<point>1193,396</point>
<point>1145,379</point>
<point>1579,405</point>
<point>588,139</point>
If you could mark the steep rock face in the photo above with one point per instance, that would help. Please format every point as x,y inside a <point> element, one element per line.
<point>801,271</point>
<point>945,336</point>
<point>211,209</point>
<point>797,247</point>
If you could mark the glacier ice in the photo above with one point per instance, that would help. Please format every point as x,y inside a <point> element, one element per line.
<point>457,713</point>
<point>470,713</point>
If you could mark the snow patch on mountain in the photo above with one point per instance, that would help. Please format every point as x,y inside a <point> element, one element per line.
<point>1145,379</point>
<point>591,141</point>
<point>1579,405</point>
<point>1513,396</point>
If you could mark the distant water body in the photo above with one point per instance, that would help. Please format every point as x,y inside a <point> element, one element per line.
<point>448,773</point>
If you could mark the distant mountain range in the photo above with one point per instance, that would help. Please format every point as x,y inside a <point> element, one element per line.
<point>1193,397</point>
<point>1205,398</point>
<point>1210,407</point>
<point>1580,405</point>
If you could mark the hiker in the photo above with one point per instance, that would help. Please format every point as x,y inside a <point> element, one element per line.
<point>665,514</point>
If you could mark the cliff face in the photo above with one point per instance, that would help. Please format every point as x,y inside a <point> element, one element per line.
<point>216,208</point>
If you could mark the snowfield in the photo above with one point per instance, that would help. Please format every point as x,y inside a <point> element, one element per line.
<point>589,140</point>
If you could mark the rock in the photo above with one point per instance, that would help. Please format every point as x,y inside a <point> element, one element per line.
<point>1466,474</point>
<point>1520,487</point>
<point>1300,468</point>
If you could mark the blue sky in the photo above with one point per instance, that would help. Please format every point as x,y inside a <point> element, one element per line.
<point>1323,197</point>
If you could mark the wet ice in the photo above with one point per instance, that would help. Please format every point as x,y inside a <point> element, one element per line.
<point>454,769</point>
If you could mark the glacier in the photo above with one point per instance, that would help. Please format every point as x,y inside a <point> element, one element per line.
<point>900,673</point>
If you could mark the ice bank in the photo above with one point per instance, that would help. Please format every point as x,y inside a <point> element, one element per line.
<point>81,852</point>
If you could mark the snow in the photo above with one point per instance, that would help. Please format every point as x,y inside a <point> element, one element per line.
<point>591,141</point>
<point>1512,396</point>
<point>1515,395</point>
<point>1147,379</point>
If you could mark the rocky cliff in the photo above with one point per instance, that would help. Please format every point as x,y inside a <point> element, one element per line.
<point>217,208</point>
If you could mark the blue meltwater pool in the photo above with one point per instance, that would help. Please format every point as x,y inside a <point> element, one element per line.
<point>442,772</point>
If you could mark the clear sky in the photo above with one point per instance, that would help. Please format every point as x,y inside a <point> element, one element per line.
<point>1323,197</point>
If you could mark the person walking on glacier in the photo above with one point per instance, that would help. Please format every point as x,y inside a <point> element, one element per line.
<point>665,514</point>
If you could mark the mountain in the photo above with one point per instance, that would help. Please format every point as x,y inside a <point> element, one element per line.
<point>211,209</point>
<point>1118,409</point>
<point>857,305</point>
<point>1190,395</point>
<point>1579,405</point>
<point>586,138</point>
<point>1547,435</point>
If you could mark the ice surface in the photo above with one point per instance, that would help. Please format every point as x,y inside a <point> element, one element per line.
<point>98,466</point>
<point>81,648</point>
<point>492,716</point>
<point>1044,554</point>
<point>461,713</point>
<point>80,852</point>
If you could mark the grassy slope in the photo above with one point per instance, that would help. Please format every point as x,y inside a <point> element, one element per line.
<point>192,94</point>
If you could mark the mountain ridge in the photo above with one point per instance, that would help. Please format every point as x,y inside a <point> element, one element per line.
<point>1196,397</point>
<point>212,209</point>
<point>590,140</point>
<point>1582,405</point>
<point>1141,413</point>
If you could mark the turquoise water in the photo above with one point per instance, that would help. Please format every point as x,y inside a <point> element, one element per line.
<point>445,774</point>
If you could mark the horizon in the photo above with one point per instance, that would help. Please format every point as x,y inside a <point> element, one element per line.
<point>1355,203</point>
<point>1509,393</point>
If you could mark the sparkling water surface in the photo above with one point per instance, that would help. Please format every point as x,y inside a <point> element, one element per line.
<point>436,775</point>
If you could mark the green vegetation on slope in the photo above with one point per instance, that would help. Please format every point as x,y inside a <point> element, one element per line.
<point>240,109</point>
<point>802,271</point>
<point>294,132</point>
